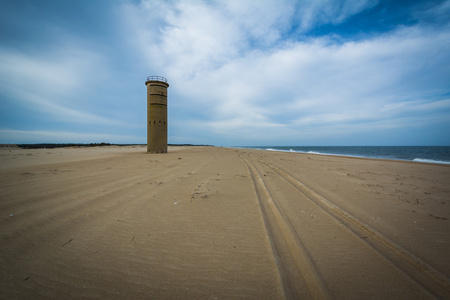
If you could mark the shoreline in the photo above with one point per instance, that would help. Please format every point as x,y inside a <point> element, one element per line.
<point>419,160</point>
<point>215,222</point>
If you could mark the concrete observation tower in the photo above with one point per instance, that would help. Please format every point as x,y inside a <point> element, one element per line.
<point>156,114</point>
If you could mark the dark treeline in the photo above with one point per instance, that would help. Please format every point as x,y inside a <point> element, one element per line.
<point>50,145</point>
<point>43,145</point>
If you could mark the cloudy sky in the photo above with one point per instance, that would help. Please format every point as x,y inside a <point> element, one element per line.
<point>267,72</point>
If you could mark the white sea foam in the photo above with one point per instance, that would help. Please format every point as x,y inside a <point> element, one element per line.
<point>271,149</point>
<point>315,152</point>
<point>431,161</point>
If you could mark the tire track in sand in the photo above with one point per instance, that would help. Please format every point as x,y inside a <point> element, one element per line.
<point>299,275</point>
<point>423,274</point>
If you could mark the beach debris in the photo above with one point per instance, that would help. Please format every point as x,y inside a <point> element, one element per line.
<point>175,203</point>
<point>131,240</point>
<point>11,215</point>
<point>436,217</point>
<point>66,242</point>
<point>156,182</point>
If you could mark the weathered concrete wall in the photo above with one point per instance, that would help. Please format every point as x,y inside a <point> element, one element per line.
<point>156,116</point>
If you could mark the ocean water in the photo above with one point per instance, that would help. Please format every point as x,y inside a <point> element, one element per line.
<point>428,154</point>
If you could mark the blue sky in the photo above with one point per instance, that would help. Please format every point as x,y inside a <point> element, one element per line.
<point>362,72</point>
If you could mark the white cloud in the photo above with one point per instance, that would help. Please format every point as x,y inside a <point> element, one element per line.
<point>51,84</point>
<point>437,13</point>
<point>262,23</point>
<point>233,87</point>
<point>41,136</point>
<point>46,74</point>
<point>202,35</point>
<point>417,105</point>
<point>319,12</point>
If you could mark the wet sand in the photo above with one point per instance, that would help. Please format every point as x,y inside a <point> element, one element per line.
<point>218,223</point>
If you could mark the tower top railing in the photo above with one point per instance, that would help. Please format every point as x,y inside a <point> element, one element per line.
<point>157,78</point>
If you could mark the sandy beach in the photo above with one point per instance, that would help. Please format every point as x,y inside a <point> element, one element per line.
<point>220,223</point>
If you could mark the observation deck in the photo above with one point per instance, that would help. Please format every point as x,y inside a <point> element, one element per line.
<point>157,78</point>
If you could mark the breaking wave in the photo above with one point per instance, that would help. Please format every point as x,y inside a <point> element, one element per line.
<point>431,161</point>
